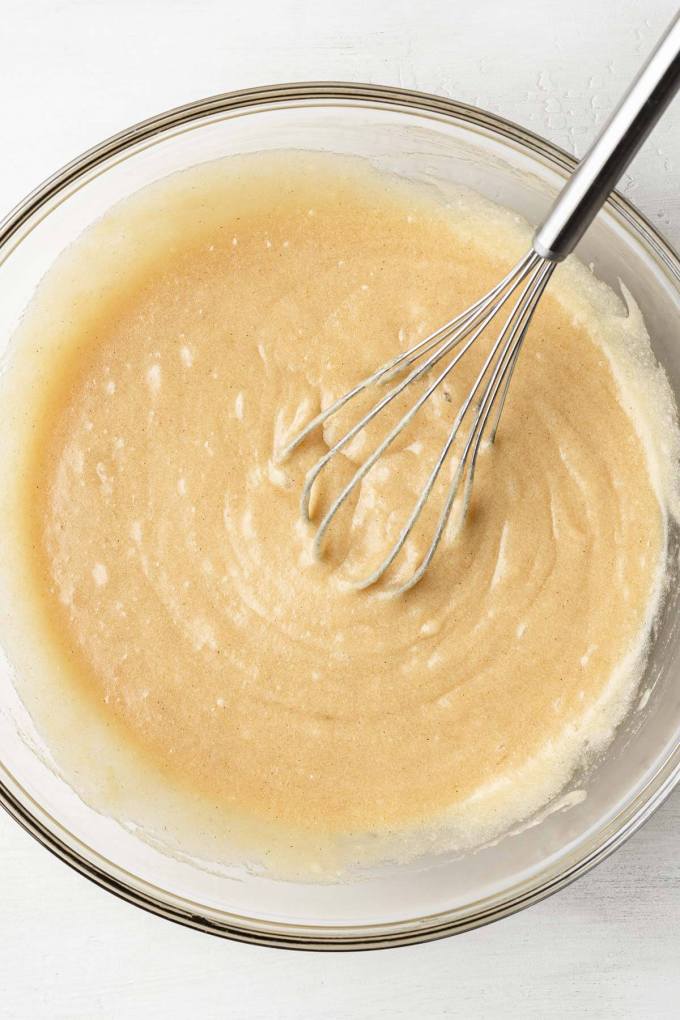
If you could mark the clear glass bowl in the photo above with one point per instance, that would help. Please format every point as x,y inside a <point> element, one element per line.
<point>438,141</point>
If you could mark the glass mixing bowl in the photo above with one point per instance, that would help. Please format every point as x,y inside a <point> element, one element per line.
<point>439,142</point>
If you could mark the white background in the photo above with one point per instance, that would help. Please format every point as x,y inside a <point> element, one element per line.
<point>74,71</point>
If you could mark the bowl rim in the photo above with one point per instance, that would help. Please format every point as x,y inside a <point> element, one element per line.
<point>295,936</point>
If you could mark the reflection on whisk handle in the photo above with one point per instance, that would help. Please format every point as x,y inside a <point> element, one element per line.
<point>612,151</point>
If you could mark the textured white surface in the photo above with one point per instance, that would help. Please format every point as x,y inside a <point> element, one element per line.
<point>74,71</point>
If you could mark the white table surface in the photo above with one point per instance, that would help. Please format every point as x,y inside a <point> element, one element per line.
<point>75,71</point>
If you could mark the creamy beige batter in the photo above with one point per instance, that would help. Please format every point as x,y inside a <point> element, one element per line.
<point>172,578</point>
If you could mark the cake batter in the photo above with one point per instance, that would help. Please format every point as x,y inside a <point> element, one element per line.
<point>170,572</point>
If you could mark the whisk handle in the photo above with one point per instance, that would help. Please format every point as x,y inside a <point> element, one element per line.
<point>611,152</point>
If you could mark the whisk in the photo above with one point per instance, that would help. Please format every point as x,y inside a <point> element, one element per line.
<point>480,412</point>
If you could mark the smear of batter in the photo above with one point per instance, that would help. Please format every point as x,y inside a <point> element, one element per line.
<point>168,575</point>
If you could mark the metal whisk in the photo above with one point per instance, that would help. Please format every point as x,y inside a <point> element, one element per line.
<point>479,414</point>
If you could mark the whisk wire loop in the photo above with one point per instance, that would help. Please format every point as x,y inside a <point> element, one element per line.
<point>530,274</point>
<point>502,372</point>
<point>508,340</point>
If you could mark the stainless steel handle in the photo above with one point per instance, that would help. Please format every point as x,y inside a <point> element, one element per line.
<point>611,152</point>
